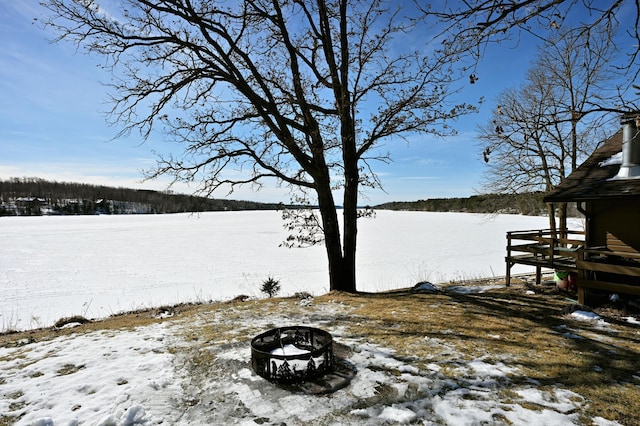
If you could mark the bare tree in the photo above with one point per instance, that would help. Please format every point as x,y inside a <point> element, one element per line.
<point>302,92</point>
<point>540,132</point>
<point>582,68</point>
<point>471,24</point>
<point>520,148</point>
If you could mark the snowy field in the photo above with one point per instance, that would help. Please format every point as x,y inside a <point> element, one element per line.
<point>95,266</point>
<point>195,370</point>
<point>147,376</point>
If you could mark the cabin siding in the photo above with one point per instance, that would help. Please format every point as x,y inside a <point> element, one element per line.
<point>619,218</point>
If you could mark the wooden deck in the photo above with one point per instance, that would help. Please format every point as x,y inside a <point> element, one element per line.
<point>543,249</point>
<point>614,267</point>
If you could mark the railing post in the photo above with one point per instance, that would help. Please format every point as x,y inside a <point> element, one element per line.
<point>508,260</point>
<point>552,246</point>
<point>582,275</point>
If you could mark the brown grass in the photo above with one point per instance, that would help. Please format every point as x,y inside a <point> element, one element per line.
<point>529,332</point>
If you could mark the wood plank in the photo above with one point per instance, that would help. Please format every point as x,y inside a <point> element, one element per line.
<point>626,254</point>
<point>570,241</point>
<point>529,232</point>
<point>633,271</point>
<point>536,238</point>
<point>621,247</point>
<point>605,252</point>
<point>525,260</point>
<point>616,244</point>
<point>546,262</point>
<point>566,252</point>
<point>609,286</point>
<point>531,248</point>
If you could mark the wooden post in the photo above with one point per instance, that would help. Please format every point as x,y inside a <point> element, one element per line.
<point>508,260</point>
<point>538,267</point>
<point>582,275</point>
<point>552,245</point>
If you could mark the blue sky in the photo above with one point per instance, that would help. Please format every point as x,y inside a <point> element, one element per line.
<point>53,123</point>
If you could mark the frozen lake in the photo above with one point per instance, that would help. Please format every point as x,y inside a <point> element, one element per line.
<point>95,266</point>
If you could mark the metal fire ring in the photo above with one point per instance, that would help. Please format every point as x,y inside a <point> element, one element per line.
<point>288,355</point>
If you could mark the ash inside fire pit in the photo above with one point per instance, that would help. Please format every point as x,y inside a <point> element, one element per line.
<point>300,356</point>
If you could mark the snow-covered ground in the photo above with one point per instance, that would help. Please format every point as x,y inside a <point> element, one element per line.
<point>53,267</point>
<point>145,376</point>
<point>95,266</point>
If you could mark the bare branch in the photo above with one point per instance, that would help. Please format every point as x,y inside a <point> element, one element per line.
<point>252,90</point>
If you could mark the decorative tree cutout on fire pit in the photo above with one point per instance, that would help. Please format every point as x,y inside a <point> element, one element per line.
<point>300,358</point>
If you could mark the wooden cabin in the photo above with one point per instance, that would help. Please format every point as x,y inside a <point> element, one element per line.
<point>606,188</point>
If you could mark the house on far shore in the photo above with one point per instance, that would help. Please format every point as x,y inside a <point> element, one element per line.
<point>606,188</point>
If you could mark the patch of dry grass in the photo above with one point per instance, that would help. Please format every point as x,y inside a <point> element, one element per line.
<point>124,321</point>
<point>528,332</point>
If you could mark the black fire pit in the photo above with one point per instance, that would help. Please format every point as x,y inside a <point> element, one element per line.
<point>288,355</point>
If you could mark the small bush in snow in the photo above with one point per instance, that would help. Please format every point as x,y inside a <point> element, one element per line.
<point>270,286</point>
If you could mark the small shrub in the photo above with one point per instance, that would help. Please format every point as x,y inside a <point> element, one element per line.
<point>270,286</point>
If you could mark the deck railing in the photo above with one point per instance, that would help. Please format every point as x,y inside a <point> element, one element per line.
<point>543,248</point>
<point>613,267</point>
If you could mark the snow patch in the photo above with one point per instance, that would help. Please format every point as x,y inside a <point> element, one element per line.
<point>632,320</point>
<point>614,160</point>
<point>472,289</point>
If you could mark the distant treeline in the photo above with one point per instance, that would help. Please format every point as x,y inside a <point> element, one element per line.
<point>526,204</point>
<point>34,196</point>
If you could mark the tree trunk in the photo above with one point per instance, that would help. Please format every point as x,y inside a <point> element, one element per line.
<point>350,216</point>
<point>341,272</point>
<point>342,267</point>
